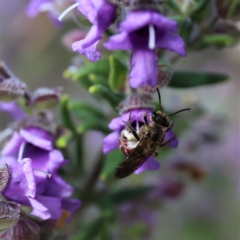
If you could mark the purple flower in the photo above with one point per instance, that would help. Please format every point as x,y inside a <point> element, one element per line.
<point>101,14</point>
<point>13,109</point>
<point>34,181</point>
<point>53,7</point>
<point>111,141</point>
<point>143,32</point>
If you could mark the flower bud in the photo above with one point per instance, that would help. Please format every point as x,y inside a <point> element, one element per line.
<point>10,87</point>
<point>9,214</point>
<point>46,98</point>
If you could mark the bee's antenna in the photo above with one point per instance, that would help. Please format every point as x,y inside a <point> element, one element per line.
<point>185,109</point>
<point>159,97</point>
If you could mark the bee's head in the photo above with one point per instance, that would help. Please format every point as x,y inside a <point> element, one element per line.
<point>160,119</point>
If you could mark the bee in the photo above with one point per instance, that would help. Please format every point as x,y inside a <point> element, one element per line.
<point>139,145</point>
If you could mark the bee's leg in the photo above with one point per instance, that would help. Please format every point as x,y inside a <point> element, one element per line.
<point>170,127</point>
<point>145,118</point>
<point>166,142</point>
<point>133,131</point>
<point>155,154</point>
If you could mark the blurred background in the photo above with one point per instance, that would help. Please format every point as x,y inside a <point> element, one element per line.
<point>208,210</point>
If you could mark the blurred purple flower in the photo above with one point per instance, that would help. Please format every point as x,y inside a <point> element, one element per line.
<point>143,32</point>
<point>13,109</point>
<point>101,14</point>
<point>111,141</point>
<point>34,181</point>
<point>53,7</point>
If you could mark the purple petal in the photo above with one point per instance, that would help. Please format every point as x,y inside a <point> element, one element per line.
<point>119,42</point>
<point>57,187</point>
<point>150,164</point>
<point>145,18</point>
<point>86,7</point>
<point>38,137</point>
<point>52,204</point>
<point>144,68</point>
<point>48,161</point>
<point>22,183</point>
<point>116,123</point>
<point>34,7</point>
<point>39,210</point>
<point>28,171</point>
<point>13,109</point>
<point>111,142</point>
<point>71,205</point>
<point>171,41</point>
<point>91,52</point>
<point>174,142</point>
<point>136,115</point>
<point>13,145</point>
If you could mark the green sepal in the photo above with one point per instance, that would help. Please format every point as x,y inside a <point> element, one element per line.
<point>104,92</point>
<point>195,79</point>
<point>95,124</point>
<point>65,115</point>
<point>118,73</point>
<point>111,161</point>
<point>84,110</point>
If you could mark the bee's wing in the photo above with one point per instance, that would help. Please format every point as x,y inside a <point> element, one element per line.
<point>134,161</point>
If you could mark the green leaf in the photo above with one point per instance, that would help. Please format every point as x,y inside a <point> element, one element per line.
<point>71,73</point>
<point>90,231</point>
<point>104,92</point>
<point>172,4</point>
<point>218,40</point>
<point>195,79</point>
<point>81,75</point>
<point>84,110</point>
<point>118,73</point>
<point>100,68</point>
<point>111,161</point>
<point>96,79</point>
<point>129,194</point>
<point>96,124</point>
<point>232,8</point>
<point>65,114</point>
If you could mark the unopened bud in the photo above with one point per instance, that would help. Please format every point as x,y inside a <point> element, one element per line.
<point>11,88</point>
<point>46,98</point>
<point>9,214</point>
<point>135,101</point>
